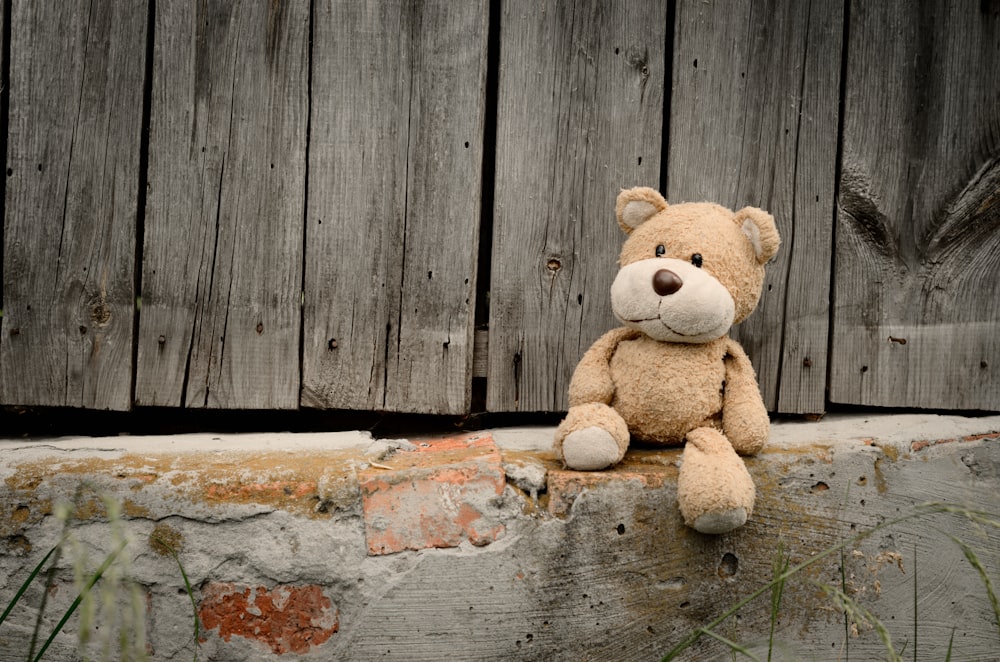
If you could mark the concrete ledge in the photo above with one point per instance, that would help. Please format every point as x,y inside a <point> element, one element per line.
<point>480,546</point>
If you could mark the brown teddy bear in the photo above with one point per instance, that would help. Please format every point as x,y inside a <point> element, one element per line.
<point>672,375</point>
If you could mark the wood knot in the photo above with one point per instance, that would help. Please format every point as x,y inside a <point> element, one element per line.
<point>162,339</point>
<point>260,328</point>
<point>553,264</point>
<point>638,58</point>
<point>100,312</point>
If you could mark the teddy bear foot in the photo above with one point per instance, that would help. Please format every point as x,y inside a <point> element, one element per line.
<point>714,490</point>
<point>593,436</point>
<point>590,449</point>
<point>722,521</point>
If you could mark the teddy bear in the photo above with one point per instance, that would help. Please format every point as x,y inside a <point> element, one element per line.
<point>671,375</point>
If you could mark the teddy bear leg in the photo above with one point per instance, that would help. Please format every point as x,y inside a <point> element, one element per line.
<point>593,436</point>
<point>714,490</point>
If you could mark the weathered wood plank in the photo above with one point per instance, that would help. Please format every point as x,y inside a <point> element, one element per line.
<point>4,106</point>
<point>580,116</point>
<point>222,260</point>
<point>430,357</point>
<point>357,165</point>
<point>76,79</point>
<point>917,315</point>
<point>393,210</point>
<point>754,115</point>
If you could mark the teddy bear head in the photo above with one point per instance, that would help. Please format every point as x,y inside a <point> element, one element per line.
<point>688,271</point>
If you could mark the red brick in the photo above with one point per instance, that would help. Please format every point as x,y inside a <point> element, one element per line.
<point>433,497</point>
<point>286,618</point>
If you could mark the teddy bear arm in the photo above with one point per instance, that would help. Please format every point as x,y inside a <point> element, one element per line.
<point>744,417</point>
<point>592,380</point>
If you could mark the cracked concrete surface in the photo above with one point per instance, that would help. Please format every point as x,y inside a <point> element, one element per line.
<point>273,532</point>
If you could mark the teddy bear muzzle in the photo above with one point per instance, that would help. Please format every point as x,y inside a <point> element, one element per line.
<point>671,300</point>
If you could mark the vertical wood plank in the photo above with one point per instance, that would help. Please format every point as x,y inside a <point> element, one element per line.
<point>753,121</point>
<point>393,210</point>
<point>357,169</point>
<point>580,116</point>
<point>917,315</point>
<point>222,260</point>
<point>430,356</point>
<point>4,115</point>
<point>76,78</point>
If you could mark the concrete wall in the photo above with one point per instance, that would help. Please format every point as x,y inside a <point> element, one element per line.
<point>337,546</point>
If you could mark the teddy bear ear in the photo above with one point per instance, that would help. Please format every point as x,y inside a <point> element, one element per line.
<point>637,205</point>
<point>760,229</point>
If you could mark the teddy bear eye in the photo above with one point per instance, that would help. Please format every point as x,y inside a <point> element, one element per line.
<point>660,250</point>
<point>696,260</point>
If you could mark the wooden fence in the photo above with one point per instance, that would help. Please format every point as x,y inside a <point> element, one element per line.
<point>387,205</point>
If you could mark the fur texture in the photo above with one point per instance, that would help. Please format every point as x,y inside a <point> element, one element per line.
<point>671,375</point>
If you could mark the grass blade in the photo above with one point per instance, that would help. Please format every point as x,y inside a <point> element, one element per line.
<point>847,620</point>
<point>187,585</point>
<point>915,603</point>
<point>859,614</point>
<point>63,513</point>
<point>49,577</point>
<point>733,646</point>
<point>779,568</point>
<point>76,603</point>
<point>26,584</point>
<point>922,510</point>
<point>974,561</point>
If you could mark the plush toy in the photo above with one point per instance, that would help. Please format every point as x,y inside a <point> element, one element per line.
<point>672,375</point>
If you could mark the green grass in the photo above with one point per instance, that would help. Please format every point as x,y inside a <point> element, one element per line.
<point>84,593</point>
<point>778,568</point>
<point>27,583</point>
<point>916,619</point>
<point>99,591</point>
<point>169,549</point>
<point>839,596</point>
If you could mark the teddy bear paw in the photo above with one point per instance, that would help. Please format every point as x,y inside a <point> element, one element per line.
<point>722,521</point>
<point>590,449</point>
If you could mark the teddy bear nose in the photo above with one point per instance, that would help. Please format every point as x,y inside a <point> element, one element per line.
<point>666,282</point>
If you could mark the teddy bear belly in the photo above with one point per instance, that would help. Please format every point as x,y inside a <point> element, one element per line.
<point>665,390</point>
